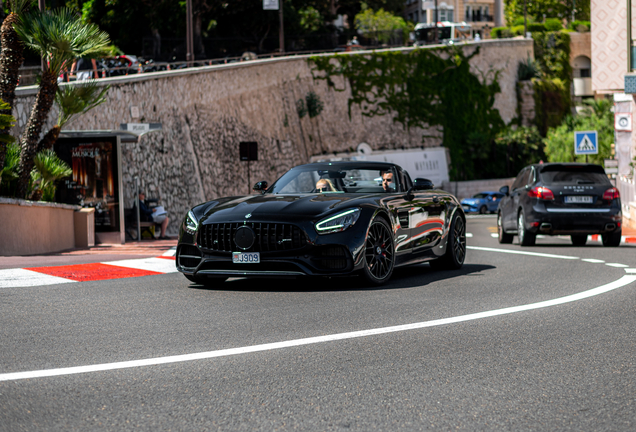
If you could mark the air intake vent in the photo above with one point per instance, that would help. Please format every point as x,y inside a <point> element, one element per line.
<point>189,256</point>
<point>269,237</point>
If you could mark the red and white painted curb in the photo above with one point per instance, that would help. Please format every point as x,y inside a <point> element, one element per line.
<point>38,276</point>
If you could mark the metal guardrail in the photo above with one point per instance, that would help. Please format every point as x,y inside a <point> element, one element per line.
<point>29,74</point>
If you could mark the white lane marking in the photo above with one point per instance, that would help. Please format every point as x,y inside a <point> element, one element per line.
<point>160,265</point>
<point>517,252</point>
<point>592,260</point>
<point>625,280</point>
<point>170,252</point>
<point>494,235</point>
<point>469,235</point>
<point>12,278</point>
<point>628,270</point>
<point>616,265</point>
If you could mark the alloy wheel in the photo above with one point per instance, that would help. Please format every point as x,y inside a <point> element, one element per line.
<point>459,240</point>
<point>379,253</point>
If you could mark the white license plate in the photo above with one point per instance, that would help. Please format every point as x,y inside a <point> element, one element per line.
<point>246,257</point>
<point>466,208</point>
<point>579,199</point>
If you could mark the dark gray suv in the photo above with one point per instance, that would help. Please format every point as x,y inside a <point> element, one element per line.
<point>560,198</point>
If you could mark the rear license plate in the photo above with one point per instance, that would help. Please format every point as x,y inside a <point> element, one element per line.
<point>579,199</point>
<point>246,257</point>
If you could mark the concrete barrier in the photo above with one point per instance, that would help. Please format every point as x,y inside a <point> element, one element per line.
<point>31,228</point>
<point>466,189</point>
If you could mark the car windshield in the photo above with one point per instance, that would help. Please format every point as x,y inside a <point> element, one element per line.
<point>480,195</point>
<point>306,180</point>
<point>574,175</point>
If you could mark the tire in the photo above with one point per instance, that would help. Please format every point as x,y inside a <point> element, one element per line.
<point>379,252</point>
<point>526,238</point>
<point>579,240</point>
<point>612,239</point>
<point>483,210</point>
<point>455,254</point>
<point>502,236</point>
<point>209,282</point>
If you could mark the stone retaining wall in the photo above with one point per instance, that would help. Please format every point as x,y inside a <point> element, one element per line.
<point>207,111</point>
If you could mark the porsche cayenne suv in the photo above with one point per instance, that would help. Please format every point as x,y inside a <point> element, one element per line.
<point>560,199</point>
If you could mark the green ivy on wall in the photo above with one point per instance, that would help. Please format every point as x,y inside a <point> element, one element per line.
<point>425,88</point>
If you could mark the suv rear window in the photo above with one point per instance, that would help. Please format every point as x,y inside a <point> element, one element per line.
<point>589,174</point>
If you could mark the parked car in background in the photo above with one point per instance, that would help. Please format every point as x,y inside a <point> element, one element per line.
<point>560,198</point>
<point>483,202</point>
<point>324,219</point>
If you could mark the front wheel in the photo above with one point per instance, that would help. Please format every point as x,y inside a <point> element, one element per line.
<point>483,210</point>
<point>455,254</point>
<point>379,253</point>
<point>526,238</point>
<point>612,239</point>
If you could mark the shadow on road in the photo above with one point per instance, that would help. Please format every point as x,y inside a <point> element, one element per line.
<point>406,277</point>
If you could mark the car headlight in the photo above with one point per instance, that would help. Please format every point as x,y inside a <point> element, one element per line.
<point>191,223</point>
<point>338,222</point>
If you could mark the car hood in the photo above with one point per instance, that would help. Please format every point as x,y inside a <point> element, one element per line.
<point>277,207</point>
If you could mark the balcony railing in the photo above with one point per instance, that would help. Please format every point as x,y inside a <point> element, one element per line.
<point>480,18</point>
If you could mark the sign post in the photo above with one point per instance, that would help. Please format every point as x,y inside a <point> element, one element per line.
<point>585,143</point>
<point>248,151</point>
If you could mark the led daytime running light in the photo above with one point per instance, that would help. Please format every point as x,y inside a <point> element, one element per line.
<point>338,222</point>
<point>191,223</point>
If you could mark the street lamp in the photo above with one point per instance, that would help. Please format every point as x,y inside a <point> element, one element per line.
<point>189,36</point>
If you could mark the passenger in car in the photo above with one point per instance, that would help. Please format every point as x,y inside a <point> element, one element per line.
<point>325,185</point>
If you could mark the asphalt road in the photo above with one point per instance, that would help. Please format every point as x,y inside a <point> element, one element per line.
<point>545,341</point>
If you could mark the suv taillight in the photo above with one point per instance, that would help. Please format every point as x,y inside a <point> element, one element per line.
<point>611,194</point>
<point>541,193</point>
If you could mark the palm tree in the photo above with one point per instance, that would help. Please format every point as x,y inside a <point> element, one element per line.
<point>49,168</point>
<point>73,100</point>
<point>60,37</point>
<point>11,57</point>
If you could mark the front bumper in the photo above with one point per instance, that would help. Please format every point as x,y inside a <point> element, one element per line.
<point>336,254</point>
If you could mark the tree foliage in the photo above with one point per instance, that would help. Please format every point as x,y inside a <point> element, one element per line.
<point>380,25</point>
<point>598,116</point>
<point>538,9</point>
<point>426,88</point>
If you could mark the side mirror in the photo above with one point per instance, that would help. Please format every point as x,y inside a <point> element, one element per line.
<point>423,184</point>
<point>505,190</point>
<point>261,186</point>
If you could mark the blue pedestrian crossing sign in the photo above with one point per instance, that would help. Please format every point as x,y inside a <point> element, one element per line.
<point>585,142</point>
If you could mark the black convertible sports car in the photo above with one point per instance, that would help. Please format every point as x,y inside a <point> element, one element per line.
<point>324,219</point>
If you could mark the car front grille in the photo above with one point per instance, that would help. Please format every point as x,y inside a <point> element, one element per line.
<point>269,237</point>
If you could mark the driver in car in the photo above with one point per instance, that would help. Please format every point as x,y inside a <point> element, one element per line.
<point>387,181</point>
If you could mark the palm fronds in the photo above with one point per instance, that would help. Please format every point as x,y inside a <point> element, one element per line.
<point>49,168</point>
<point>78,99</point>
<point>60,36</point>
<point>19,6</point>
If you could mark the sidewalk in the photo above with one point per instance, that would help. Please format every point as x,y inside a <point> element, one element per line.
<point>96,254</point>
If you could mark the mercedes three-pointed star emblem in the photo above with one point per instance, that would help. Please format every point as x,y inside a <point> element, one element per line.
<point>249,215</point>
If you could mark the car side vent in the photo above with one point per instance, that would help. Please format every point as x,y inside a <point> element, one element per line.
<point>268,237</point>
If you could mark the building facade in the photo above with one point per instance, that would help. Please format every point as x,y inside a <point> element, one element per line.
<point>482,15</point>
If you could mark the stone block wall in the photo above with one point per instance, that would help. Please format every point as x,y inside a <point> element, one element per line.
<point>207,111</point>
